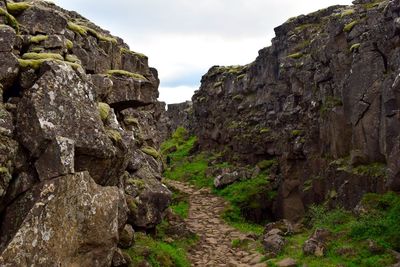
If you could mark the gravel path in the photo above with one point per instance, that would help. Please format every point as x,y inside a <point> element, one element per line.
<point>214,247</point>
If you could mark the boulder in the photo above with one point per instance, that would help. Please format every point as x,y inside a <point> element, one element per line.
<point>273,242</point>
<point>69,220</point>
<point>316,244</point>
<point>288,262</point>
<point>60,103</point>
<point>126,236</point>
<point>8,38</point>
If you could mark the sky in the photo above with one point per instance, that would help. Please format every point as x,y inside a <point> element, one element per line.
<point>185,38</point>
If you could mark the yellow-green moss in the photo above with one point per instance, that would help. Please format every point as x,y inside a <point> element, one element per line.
<point>139,184</point>
<point>238,97</point>
<point>69,44</point>
<point>77,28</point>
<point>347,12</point>
<point>16,8</point>
<point>38,38</point>
<point>217,84</point>
<point>114,135</point>
<point>10,20</point>
<point>100,36</point>
<point>350,26</point>
<point>296,55</point>
<point>265,130</point>
<point>150,151</point>
<point>36,63</point>
<point>130,120</point>
<point>127,51</point>
<point>297,133</point>
<point>104,110</point>
<point>355,47</point>
<point>36,56</point>
<point>135,76</point>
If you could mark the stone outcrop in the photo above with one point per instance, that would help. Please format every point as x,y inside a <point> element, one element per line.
<point>180,115</point>
<point>80,130</point>
<point>323,100</point>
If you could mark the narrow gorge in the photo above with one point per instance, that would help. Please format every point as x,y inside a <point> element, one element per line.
<point>291,160</point>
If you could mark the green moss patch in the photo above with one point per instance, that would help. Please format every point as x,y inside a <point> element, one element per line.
<point>104,110</point>
<point>114,135</point>
<point>348,27</point>
<point>127,51</point>
<point>125,73</point>
<point>69,44</point>
<point>16,8</point>
<point>38,38</point>
<point>150,151</point>
<point>355,47</point>
<point>77,28</point>
<point>38,56</point>
<point>296,55</point>
<point>10,20</point>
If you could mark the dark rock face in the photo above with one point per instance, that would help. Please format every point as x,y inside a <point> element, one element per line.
<point>180,115</point>
<point>326,91</point>
<point>79,120</point>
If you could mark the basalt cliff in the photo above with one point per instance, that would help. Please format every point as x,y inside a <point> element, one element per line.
<point>80,126</point>
<point>323,100</point>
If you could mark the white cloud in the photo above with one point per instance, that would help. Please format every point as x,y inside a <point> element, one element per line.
<point>184,38</point>
<point>176,94</point>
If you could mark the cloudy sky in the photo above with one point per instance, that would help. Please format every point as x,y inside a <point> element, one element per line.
<point>184,38</point>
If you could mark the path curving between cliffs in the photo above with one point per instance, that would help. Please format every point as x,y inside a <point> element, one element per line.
<point>214,248</point>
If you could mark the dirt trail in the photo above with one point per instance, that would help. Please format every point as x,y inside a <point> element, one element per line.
<point>214,247</point>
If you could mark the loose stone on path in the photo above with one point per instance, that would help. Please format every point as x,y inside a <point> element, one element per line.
<point>214,247</point>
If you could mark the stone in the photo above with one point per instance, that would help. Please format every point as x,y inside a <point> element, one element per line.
<point>43,20</point>
<point>126,236</point>
<point>226,179</point>
<point>67,220</point>
<point>8,38</point>
<point>8,70</point>
<point>57,160</point>
<point>60,103</point>
<point>131,92</point>
<point>288,262</point>
<point>316,244</point>
<point>273,241</point>
<point>121,259</point>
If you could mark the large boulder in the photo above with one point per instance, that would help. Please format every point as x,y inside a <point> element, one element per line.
<point>69,221</point>
<point>61,103</point>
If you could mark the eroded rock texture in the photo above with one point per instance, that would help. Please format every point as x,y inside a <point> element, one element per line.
<point>323,99</point>
<point>80,129</point>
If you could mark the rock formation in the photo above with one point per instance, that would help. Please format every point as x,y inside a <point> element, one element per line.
<point>323,99</point>
<point>80,131</point>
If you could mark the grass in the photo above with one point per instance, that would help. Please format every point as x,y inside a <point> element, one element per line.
<point>180,204</point>
<point>157,252</point>
<point>351,234</point>
<point>77,28</point>
<point>375,169</point>
<point>135,76</point>
<point>36,63</point>
<point>127,51</point>
<point>244,196</point>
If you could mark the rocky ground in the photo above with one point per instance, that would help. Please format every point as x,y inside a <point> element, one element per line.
<point>216,237</point>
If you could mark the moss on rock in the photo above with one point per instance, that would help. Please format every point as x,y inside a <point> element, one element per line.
<point>135,76</point>
<point>16,8</point>
<point>104,110</point>
<point>38,56</point>
<point>38,38</point>
<point>150,151</point>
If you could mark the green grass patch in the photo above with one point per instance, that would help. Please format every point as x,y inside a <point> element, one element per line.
<point>180,204</point>
<point>150,151</point>
<point>351,234</point>
<point>127,51</point>
<point>157,253</point>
